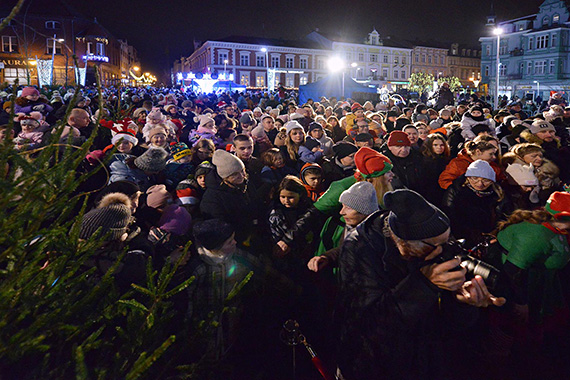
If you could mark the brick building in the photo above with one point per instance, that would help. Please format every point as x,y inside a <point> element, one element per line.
<point>248,59</point>
<point>51,28</point>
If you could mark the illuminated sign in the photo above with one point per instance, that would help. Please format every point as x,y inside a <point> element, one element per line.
<point>97,58</point>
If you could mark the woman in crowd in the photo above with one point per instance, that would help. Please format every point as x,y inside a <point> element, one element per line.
<point>294,140</point>
<point>474,150</point>
<point>435,152</point>
<point>475,203</point>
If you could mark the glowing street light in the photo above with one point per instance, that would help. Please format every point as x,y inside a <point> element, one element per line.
<point>336,64</point>
<point>136,68</point>
<point>537,88</point>
<point>498,32</point>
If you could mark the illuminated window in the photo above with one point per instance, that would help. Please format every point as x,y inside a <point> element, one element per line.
<point>9,44</point>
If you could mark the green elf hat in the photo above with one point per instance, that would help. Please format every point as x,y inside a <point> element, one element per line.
<point>558,204</point>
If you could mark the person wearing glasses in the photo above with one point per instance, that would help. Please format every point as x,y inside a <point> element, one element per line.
<point>475,202</point>
<point>399,309</point>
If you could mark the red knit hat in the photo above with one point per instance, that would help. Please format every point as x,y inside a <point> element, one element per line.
<point>558,204</point>
<point>371,164</point>
<point>356,106</point>
<point>398,138</point>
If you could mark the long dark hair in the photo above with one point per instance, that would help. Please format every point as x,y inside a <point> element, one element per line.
<point>427,146</point>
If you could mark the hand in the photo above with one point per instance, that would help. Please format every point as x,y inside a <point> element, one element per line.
<point>447,275</point>
<point>475,293</point>
<point>318,263</point>
<point>39,107</point>
<point>281,249</point>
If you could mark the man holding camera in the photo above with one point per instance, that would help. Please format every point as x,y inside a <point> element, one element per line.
<point>400,303</point>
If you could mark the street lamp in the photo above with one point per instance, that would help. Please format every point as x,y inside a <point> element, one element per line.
<point>336,64</point>
<point>225,73</point>
<point>497,32</point>
<point>475,82</point>
<point>537,89</point>
<point>55,39</point>
<point>266,65</point>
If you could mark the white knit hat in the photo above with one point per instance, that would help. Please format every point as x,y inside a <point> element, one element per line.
<point>360,197</point>
<point>522,174</point>
<point>293,124</point>
<point>226,163</point>
<point>481,168</point>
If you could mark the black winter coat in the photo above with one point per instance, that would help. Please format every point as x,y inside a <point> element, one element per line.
<point>233,205</point>
<point>387,314</point>
<point>471,215</point>
<point>408,170</point>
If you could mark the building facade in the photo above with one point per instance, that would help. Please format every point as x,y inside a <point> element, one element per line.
<point>534,53</point>
<point>464,62</point>
<point>247,61</point>
<point>52,30</point>
<point>377,61</point>
<point>430,60</point>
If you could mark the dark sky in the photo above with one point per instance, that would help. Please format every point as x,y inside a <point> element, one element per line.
<point>164,30</point>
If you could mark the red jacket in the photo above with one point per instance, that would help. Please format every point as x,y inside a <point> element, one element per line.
<point>458,166</point>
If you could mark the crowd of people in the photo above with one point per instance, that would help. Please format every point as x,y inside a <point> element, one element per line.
<point>342,210</point>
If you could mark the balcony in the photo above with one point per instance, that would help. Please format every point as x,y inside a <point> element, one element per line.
<point>516,52</point>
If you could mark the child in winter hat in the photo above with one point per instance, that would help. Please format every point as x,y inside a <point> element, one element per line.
<point>30,137</point>
<point>181,166</point>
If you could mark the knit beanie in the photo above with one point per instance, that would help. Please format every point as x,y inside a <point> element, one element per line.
<point>138,111</point>
<point>479,128</point>
<point>481,168</point>
<point>175,219</point>
<point>226,163</point>
<point>204,168</point>
<point>314,125</point>
<point>157,196</point>
<point>356,106</point>
<point>258,132</point>
<point>112,215</point>
<point>344,148</point>
<point>363,137</point>
<point>516,131</point>
<point>266,116</point>
<point>203,120</point>
<point>28,91</point>
<point>187,193</point>
<point>541,126</point>
<point>444,112</point>
<point>558,204</point>
<point>7,104</point>
<point>311,143</point>
<point>398,138</point>
<point>153,160</point>
<point>154,131</point>
<point>412,217</point>
<point>392,114</point>
<point>212,233</point>
<point>246,119</point>
<point>360,197</point>
<point>371,163</point>
<point>522,174</point>
<point>179,150</point>
<point>293,124</point>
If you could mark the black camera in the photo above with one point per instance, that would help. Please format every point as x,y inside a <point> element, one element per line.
<point>472,264</point>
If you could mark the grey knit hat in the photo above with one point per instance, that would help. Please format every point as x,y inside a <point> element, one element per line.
<point>226,163</point>
<point>481,168</point>
<point>412,217</point>
<point>153,160</point>
<point>360,197</point>
<point>112,215</point>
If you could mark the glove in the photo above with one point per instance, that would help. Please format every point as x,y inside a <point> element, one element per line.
<point>39,107</point>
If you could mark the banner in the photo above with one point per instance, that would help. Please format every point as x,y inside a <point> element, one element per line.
<point>45,71</point>
<point>80,73</point>
<point>271,79</point>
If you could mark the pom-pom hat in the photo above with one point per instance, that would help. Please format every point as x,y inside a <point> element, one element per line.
<point>112,215</point>
<point>153,160</point>
<point>179,150</point>
<point>226,163</point>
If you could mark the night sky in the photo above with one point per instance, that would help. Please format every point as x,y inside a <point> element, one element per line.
<point>162,31</point>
